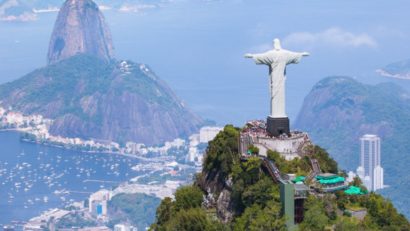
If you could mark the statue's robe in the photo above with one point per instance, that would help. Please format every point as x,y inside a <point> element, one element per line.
<point>277,60</point>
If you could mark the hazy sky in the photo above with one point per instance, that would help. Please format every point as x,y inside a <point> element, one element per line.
<point>198,47</point>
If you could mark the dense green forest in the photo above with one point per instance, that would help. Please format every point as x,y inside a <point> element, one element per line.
<point>137,209</point>
<point>254,199</point>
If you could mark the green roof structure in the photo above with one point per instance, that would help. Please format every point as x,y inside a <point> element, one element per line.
<point>299,179</point>
<point>353,190</point>
<point>329,179</point>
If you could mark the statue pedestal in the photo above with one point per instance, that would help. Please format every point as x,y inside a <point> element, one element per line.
<point>278,126</point>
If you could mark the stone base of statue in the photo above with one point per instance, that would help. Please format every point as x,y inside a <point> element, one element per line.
<point>278,126</point>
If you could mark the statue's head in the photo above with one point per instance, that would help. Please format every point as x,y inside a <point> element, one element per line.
<point>276,44</point>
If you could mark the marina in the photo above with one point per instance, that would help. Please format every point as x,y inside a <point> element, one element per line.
<point>35,178</point>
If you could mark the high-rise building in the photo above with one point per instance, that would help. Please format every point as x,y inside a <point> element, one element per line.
<point>370,170</point>
<point>378,181</point>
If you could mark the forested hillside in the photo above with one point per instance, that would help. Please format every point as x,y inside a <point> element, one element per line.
<point>231,194</point>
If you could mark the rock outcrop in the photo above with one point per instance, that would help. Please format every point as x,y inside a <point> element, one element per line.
<point>238,193</point>
<point>121,101</point>
<point>80,29</point>
<point>339,110</point>
<point>91,95</point>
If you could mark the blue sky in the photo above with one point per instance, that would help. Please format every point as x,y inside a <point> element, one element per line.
<point>198,47</point>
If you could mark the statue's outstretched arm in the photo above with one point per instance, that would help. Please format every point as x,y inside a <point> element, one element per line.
<point>249,56</point>
<point>260,58</point>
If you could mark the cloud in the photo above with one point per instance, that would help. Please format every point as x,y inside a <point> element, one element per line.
<point>13,10</point>
<point>137,8</point>
<point>334,36</point>
<point>25,17</point>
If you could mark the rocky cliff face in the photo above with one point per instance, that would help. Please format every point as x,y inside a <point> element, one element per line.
<point>339,110</point>
<point>80,28</point>
<point>88,98</point>
<point>340,107</point>
<point>90,95</point>
<point>218,195</point>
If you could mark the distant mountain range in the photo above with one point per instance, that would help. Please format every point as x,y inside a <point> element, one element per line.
<point>89,94</point>
<point>27,10</point>
<point>339,110</point>
<point>398,70</point>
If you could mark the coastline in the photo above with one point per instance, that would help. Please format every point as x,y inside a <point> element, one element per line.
<point>35,129</point>
<point>393,76</point>
<point>158,175</point>
<point>50,144</point>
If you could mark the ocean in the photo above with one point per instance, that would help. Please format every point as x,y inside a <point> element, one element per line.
<point>34,178</point>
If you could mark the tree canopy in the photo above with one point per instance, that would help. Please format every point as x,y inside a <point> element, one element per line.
<point>254,198</point>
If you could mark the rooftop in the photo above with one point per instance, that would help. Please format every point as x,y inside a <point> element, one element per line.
<point>326,175</point>
<point>353,190</point>
<point>329,178</point>
<point>301,187</point>
<point>369,137</point>
<point>299,179</point>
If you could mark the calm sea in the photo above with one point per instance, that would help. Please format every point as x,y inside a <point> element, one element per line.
<point>34,178</point>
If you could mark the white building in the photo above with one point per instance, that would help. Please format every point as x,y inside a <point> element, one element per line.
<point>135,148</point>
<point>370,170</point>
<point>192,154</point>
<point>378,175</point>
<point>2,111</point>
<point>123,227</point>
<point>15,118</point>
<point>98,202</point>
<point>207,134</point>
<point>350,176</point>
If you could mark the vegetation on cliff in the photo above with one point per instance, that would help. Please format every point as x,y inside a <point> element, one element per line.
<point>254,200</point>
<point>89,98</point>
<point>137,209</point>
<point>185,213</point>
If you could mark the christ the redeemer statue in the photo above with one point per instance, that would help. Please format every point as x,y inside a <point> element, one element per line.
<point>277,60</point>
